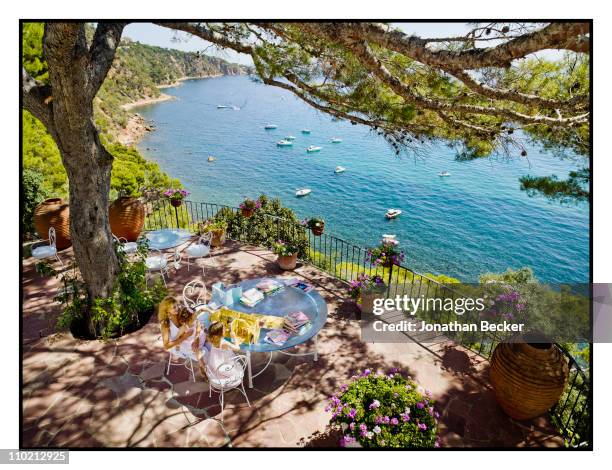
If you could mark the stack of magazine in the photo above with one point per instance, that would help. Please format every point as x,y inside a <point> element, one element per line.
<point>277,337</point>
<point>269,286</point>
<point>294,322</point>
<point>251,297</point>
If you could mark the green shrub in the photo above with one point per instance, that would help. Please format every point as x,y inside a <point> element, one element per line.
<point>384,411</point>
<point>33,194</point>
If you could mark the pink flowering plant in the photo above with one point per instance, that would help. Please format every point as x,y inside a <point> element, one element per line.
<point>384,410</point>
<point>285,248</point>
<point>364,282</point>
<point>250,204</point>
<point>176,194</point>
<point>385,254</point>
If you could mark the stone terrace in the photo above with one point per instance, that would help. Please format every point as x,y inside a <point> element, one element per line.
<point>116,394</point>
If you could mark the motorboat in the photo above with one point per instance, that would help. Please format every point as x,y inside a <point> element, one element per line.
<point>388,239</point>
<point>211,158</point>
<point>393,213</point>
<point>339,169</point>
<point>313,148</point>
<point>444,173</point>
<point>305,131</point>
<point>336,140</point>
<point>270,126</point>
<point>284,143</point>
<point>222,106</point>
<point>303,192</point>
<point>290,137</point>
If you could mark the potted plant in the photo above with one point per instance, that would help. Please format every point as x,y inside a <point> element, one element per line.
<point>384,411</point>
<point>126,216</point>
<point>315,224</point>
<point>54,213</point>
<point>386,255</point>
<point>176,196</point>
<point>287,254</point>
<point>217,228</point>
<point>364,289</point>
<point>249,206</point>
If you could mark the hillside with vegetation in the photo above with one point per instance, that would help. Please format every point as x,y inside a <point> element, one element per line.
<point>137,72</point>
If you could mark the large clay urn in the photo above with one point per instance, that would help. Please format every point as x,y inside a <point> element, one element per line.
<point>528,376</point>
<point>127,216</point>
<point>53,213</point>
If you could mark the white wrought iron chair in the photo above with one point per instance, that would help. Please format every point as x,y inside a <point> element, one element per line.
<point>194,295</point>
<point>226,377</point>
<point>199,249</point>
<point>159,264</point>
<point>48,251</point>
<point>126,247</point>
<point>187,360</point>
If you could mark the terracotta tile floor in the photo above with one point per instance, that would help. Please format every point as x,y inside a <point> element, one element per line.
<point>116,393</point>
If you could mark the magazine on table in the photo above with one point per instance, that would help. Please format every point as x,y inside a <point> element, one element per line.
<point>299,284</point>
<point>269,286</point>
<point>251,297</point>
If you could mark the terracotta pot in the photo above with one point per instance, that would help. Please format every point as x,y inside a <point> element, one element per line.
<point>53,213</point>
<point>528,377</point>
<point>218,238</point>
<point>127,215</point>
<point>287,263</point>
<point>176,202</point>
<point>369,296</point>
<point>247,212</point>
<point>318,231</point>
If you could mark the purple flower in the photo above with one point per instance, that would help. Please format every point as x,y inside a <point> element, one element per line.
<point>352,426</point>
<point>374,405</point>
<point>363,427</point>
<point>394,421</point>
<point>422,427</point>
<point>352,413</point>
<point>420,405</point>
<point>405,417</point>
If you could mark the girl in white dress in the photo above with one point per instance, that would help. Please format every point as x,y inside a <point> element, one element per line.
<point>217,350</point>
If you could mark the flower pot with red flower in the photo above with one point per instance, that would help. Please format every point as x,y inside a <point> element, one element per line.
<point>249,206</point>
<point>316,225</point>
<point>176,196</point>
<point>287,255</point>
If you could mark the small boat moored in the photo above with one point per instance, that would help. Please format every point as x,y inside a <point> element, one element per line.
<point>393,213</point>
<point>270,126</point>
<point>211,158</point>
<point>284,143</point>
<point>221,106</point>
<point>336,140</point>
<point>290,137</point>
<point>388,239</point>
<point>444,173</point>
<point>339,169</point>
<point>303,192</point>
<point>305,131</point>
<point>313,148</point>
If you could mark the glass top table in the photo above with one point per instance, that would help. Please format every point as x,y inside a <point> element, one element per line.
<point>167,238</point>
<point>279,304</point>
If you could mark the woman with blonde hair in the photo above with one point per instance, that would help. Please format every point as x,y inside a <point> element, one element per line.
<point>181,332</point>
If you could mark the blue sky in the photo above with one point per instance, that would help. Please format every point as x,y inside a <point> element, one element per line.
<point>154,35</point>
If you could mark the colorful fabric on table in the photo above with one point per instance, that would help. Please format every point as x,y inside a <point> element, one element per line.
<point>246,326</point>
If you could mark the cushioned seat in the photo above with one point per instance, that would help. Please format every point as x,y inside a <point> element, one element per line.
<point>156,262</point>
<point>197,250</point>
<point>129,247</point>
<point>42,252</point>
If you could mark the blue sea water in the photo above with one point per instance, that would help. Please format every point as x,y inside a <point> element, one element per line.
<point>475,221</point>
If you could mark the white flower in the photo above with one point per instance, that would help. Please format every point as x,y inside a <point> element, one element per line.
<point>369,434</point>
<point>377,429</point>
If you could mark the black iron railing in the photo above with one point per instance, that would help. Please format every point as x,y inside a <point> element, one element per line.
<point>345,260</point>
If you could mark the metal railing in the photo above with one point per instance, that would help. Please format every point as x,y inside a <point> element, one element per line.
<point>345,260</point>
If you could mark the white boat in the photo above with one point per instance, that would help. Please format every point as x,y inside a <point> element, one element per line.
<point>388,239</point>
<point>336,140</point>
<point>444,173</point>
<point>305,131</point>
<point>270,126</point>
<point>313,148</point>
<point>221,106</point>
<point>290,137</point>
<point>211,158</point>
<point>393,213</point>
<point>284,143</point>
<point>339,169</point>
<point>303,192</point>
